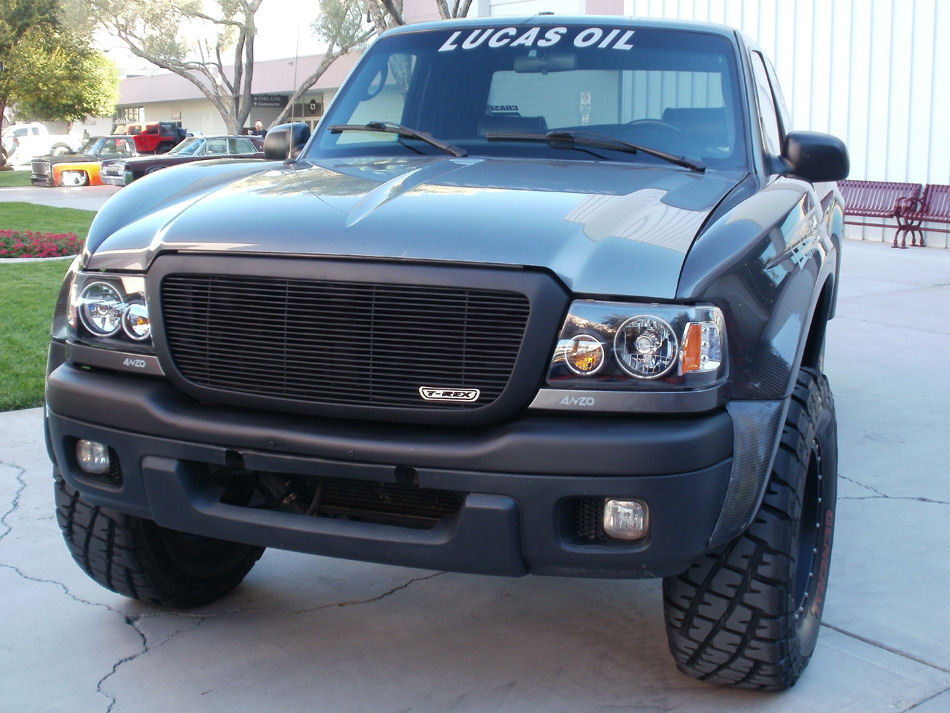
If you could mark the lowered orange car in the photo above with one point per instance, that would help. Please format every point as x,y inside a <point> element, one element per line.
<point>82,168</point>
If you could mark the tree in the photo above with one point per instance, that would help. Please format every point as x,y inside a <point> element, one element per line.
<point>17,18</point>
<point>59,77</point>
<point>388,13</point>
<point>211,44</point>
<point>340,25</point>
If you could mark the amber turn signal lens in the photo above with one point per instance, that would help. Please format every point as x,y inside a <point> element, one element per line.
<point>584,354</point>
<point>692,347</point>
<point>702,347</point>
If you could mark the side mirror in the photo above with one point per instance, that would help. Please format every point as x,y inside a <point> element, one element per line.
<point>284,141</point>
<point>815,157</point>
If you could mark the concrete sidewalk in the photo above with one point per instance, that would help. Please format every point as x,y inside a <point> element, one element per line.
<point>311,633</point>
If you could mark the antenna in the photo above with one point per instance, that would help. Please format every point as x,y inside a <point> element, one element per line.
<point>293,88</point>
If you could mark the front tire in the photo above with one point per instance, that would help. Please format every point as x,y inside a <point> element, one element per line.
<point>137,558</point>
<point>748,614</point>
<point>74,178</point>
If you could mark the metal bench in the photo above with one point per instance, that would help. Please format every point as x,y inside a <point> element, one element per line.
<point>879,199</point>
<point>933,206</point>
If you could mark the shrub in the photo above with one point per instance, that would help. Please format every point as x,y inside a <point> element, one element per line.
<point>19,243</point>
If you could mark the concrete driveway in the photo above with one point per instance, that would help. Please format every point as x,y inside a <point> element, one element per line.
<point>317,634</point>
<point>83,198</point>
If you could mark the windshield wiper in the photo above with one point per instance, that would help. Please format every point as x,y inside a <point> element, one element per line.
<point>563,138</point>
<point>391,127</point>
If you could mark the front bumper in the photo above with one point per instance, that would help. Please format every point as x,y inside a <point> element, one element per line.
<point>111,176</point>
<point>41,174</point>
<point>514,479</point>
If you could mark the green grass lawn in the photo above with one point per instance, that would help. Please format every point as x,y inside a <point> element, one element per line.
<point>45,219</point>
<point>28,292</point>
<point>14,178</point>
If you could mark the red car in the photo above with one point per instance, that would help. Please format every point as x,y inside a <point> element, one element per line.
<point>157,137</point>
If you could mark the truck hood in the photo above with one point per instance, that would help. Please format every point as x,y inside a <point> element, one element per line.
<point>602,228</point>
<point>69,158</point>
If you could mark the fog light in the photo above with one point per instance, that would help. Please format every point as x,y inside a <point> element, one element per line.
<point>93,458</point>
<point>626,519</point>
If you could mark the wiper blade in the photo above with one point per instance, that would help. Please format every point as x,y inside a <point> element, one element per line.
<point>391,127</point>
<point>558,138</point>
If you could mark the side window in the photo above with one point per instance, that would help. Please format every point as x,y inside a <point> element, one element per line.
<point>216,147</point>
<point>236,146</point>
<point>768,118</point>
<point>783,113</point>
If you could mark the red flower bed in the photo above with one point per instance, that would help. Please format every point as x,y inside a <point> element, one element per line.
<point>19,243</point>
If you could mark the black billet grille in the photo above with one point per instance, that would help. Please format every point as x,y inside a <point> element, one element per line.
<point>319,341</point>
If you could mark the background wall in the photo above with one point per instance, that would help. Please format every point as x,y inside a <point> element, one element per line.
<point>873,72</point>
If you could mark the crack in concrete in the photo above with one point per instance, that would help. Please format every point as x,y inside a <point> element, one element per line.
<point>879,495</point>
<point>861,320</point>
<point>15,503</point>
<point>79,600</point>
<point>885,647</point>
<point>925,700</point>
<point>8,528</point>
<point>133,622</point>
<point>203,616</point>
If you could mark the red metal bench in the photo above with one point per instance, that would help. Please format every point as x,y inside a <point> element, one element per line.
<point>933,206</point>
<point>879,199</point>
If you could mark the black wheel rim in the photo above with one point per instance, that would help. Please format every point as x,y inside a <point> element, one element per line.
<point>809,529</point>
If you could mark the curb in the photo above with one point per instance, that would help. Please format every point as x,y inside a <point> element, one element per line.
<point>6,260</point>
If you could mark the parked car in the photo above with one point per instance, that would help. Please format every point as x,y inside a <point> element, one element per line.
<point>23,142</point>
<point>121,172</point>
<point>157,137</point>
<point>544,295</point>
<point>82,168</point>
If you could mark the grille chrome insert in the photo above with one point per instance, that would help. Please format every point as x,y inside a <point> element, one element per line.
<point>330,342</point>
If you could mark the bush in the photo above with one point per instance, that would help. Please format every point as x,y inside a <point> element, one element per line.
<point>20,243</point>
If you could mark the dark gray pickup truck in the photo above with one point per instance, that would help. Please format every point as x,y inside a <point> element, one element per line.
<point>538,296</point>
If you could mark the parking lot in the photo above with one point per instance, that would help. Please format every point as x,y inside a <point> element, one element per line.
<point>311,633</point>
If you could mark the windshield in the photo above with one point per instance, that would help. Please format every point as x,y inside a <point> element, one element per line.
<point>90,146</point>
<point>189,147</point>
<point>478,88</point>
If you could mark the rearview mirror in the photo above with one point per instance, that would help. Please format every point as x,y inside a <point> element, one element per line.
<point>542,64</point>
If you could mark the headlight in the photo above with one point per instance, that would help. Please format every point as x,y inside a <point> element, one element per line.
<point>645,346</point>
<point>109,311</point>
<point>618,345</point>
<point>100,309</point>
